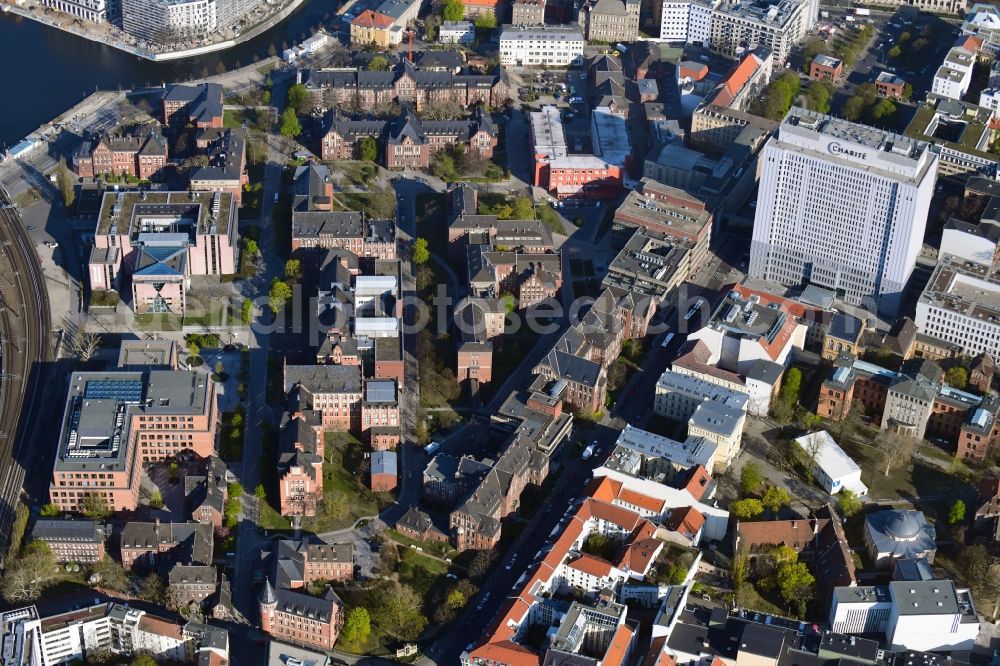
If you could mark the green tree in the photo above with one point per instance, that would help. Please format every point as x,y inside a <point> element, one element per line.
<point>509,301</point>
<point>156,499</point>
<point>453,10</point>
<point>849,503</point>
<point>795,584</point>
<point>290,125</point>
<point>153,589</point>
<point>246,311</point>
<point>895,52</point>
<point>235,489</point>
<point>485,22</point>
<point>818,95</point>
<point>421,253</point>
<point>49,511</point>
<point>853,108</point>
<point>378,64</point>
<point>95,507</point>
<point>907,91</point>
<point>884,108</point>
<point>27,576</point>
<point>252,248</point>
<point>957,377</point>
<point>455,600</point>
<point>774,499</point>
<point>750,478</point>
<point>278,295</point>
<point>746,509</point>
<point>368,149</point>
<point>523,208</point>
<point>111,575</point>
<point>260,492</point>
<point>64,179</point>
<point>357,627</point>
<point>142,660</point>
<point>397,611</point>
<point>431,25</point>
<point>298,98</point>
<point>956,513</point>
<point>293,270</point>
<point>791,386</point>
<point>20,524</point>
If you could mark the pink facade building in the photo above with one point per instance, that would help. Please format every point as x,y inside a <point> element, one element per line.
<point>160,240</point>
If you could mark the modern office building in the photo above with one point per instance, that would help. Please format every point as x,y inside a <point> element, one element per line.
<point>927,615</point>
<point>114,422</point>
<point>559,46</point>
<point>168,21</point>
<point>161,239</point>
<point>842,206</point>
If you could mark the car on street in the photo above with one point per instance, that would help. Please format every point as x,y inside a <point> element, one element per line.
<point>31,227</point>
<point>51,244</point>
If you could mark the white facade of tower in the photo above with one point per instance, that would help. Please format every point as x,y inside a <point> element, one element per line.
<point>842,206</point>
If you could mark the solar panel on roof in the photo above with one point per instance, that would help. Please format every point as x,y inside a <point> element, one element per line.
<point>125,391</point>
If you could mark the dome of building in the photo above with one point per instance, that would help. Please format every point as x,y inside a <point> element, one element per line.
<point>902,525</point>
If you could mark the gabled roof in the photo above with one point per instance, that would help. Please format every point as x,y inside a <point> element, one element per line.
<point>372,19</point>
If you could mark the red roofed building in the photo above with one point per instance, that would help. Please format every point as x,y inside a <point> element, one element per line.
<point>474,8</point>
<point>745,83</point>
<point>371,27</point>
<point>685,526</point>
<point>695,71</point>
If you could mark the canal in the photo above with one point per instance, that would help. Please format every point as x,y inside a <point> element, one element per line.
<point>44,71</point>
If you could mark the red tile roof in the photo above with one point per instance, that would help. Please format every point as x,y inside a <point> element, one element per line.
<point>589,564</point>
<point>739,78</point>
<point>639,554</point>
<point>699,482</point>
<point>619,647</point>
<point>642,501</point>
<point>372,19</point>
<point>506,652</point>
<point>687,520</point>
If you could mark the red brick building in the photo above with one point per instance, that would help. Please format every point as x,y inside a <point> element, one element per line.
<point>889,85</point>
<point>141,156</point>
<point>198,106</point>
<point>407,141</point>
<point>295,617</point>
<point>300,464</point>
<point>824,67</point>
<point>156,543</point>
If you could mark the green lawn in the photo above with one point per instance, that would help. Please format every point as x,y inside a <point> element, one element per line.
<point>433,547</point>
<point>341,473</point>
<point>419,571</point>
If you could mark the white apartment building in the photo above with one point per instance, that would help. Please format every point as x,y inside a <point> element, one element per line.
<point>961,304</point>
<point>457,32</point>
<point>166,21</point>
<point>955,74</point>
<point>95,11</point>
<point>739,27</point>
<point>842,206</point>
<point>674,17</point>
<point>524,46</point>
<point>688,21</point>
<point>925,616</point>
<point>73,636</point>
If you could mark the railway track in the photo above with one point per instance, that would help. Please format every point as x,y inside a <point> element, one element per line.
<point>25,328</point>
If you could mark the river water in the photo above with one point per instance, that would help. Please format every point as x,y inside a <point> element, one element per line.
<point>44,71</point>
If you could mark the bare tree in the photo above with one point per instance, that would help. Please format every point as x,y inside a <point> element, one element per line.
<point>896,447</point>
<point>85,345</point>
